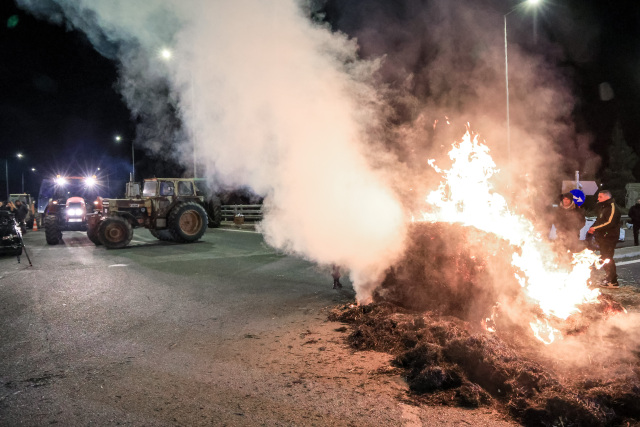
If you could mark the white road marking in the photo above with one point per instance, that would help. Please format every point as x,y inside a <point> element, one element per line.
<point>118,265</point>
<point>627,262</point>
<point>237,231</point>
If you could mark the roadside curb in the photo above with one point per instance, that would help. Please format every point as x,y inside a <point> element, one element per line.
<point>630,254</point>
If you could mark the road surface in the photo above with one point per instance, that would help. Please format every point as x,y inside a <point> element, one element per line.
<point>225,331</point>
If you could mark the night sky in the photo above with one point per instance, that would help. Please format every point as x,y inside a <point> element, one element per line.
<point>60,107</point>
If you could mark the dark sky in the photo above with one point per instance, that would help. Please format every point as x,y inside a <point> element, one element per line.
<point>59,105</point>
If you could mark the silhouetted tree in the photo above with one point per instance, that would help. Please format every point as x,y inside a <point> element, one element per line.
<point>622,160</point>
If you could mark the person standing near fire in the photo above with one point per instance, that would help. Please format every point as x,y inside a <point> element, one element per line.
<point>568,221</point>
<point>335,273</point>
<point>634,214</point>
<point>606,231</point>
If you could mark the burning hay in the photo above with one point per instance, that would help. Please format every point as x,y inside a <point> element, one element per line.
<point>429,313</point>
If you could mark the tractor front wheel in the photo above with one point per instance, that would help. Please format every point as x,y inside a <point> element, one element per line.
<point>187,222</point>
<point>115,232</point>
<point>92,234</point>
<point>52,230</point>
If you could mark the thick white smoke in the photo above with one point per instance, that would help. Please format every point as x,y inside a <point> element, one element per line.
<point>271,101</point>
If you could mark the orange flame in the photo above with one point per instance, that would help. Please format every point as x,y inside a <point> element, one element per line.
<point>467,196</point>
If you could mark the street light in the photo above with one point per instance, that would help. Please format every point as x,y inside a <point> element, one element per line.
<point>6,171</point>
<point>133,158</point>
<point>532,3</point>
<point>166,55</point>
<point>32,170</point>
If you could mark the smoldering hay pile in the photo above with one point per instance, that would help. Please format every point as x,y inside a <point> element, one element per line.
<point>429,313</point>
<point>461,312</point>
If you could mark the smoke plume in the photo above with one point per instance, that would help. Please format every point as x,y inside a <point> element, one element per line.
<point>332,123</point>
<point>268,99</point>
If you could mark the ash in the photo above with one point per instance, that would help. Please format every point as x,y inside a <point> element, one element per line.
<point>428,313</point>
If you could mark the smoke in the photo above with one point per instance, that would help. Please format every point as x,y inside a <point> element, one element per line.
<point>447,58</point>
<point>334,129</point>
<point>268,99</point>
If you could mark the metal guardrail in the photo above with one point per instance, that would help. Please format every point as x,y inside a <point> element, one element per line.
<point>248,212</point>
<point>254,213</point>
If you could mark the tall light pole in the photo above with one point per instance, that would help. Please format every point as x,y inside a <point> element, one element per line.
<point>6,174</point>
<point>166,55</point>
<point>32,170</point>
<point>20,155</point>
<point>532,3</point>
<point>6,171</point>
<point>133,158</point>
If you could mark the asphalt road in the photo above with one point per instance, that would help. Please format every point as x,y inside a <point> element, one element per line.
<point>225,331</point>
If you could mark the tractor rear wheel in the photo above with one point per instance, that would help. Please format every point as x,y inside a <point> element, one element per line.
<point>214,212</point>
<point>164,235</point>
<point>115,232</point>
<point>52,230</point>
<point>187,222</point>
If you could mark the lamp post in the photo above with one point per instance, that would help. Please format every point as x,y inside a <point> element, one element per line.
<point>166,55</point>
<point>32,170</point>
<point>6,171</point>
<point>532,3</point>
<point>20,155</point>
<point>133,158</point>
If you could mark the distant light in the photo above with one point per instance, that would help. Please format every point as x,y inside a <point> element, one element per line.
<point>166,54</point>
<point>90,181</point>
<point>534,2</point>
<point>33,169</point>
<point>12,22</point>
<point>61,181</point>
<point>19,155</point>
<point>118,138</point>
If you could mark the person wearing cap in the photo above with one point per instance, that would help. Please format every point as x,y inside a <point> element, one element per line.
<point>634,215</point>
<point>606,231</point>
<point>568,221</point>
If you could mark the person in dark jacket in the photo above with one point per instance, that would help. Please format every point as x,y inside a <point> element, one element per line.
<point>21,213</point>
<point>606,231</point>
<point>335,273</point>
<point>634,215</point>
<point>568,221</point>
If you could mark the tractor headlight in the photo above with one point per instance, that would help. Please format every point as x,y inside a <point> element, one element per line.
<point>90,181</point>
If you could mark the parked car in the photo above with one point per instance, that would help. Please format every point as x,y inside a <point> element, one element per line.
<point>10,240</point>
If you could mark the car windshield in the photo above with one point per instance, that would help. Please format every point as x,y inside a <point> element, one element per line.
<point>149,189</point>
<point>75,205</point>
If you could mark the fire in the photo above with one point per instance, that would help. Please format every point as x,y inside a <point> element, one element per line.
<point>467,196</point>
<point>543,331</point>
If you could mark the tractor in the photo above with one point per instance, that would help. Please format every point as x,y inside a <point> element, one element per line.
<point>170,208</point>
<point>66,209</point>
